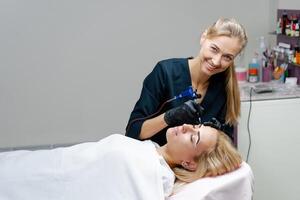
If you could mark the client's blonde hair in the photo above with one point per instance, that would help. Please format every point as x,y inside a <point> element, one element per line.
<point>223,158</point>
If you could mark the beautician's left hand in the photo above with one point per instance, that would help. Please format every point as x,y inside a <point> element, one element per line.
<point>214,123</point>
<point>187,113</point>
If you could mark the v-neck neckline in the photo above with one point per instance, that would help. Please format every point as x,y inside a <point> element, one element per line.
<point>213,87</point>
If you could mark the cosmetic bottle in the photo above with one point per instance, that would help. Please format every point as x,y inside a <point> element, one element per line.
<point>253,70</point>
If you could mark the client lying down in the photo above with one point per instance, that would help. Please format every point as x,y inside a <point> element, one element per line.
<point>117,167</point>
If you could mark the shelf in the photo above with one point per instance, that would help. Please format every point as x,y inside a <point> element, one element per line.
<point>293,68</point>
<point>272,33</point>
<point>291,37</point>
<point>294,64</point>
<point>284,36</point>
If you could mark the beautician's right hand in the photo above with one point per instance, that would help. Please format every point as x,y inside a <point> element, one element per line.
<point>187,113</point>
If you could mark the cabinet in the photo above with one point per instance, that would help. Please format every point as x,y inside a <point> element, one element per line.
<point>293,69</point>
<point>275,149</point>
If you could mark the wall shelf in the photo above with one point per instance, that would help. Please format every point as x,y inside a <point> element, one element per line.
<point>293,68</point>
<point>294,64</point>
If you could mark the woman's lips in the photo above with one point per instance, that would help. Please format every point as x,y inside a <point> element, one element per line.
<point>209,66</point>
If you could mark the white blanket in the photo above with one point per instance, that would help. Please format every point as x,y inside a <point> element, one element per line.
<point>114,168</point>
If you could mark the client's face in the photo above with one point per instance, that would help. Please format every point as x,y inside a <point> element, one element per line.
<point>187,141</point>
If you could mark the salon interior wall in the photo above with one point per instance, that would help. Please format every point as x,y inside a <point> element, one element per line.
<point>289,4</point>
<point>71,71</point>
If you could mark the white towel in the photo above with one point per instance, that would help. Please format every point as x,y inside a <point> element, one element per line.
<point>116,167</point>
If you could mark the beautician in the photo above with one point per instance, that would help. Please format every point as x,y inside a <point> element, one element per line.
<point>211,74</point>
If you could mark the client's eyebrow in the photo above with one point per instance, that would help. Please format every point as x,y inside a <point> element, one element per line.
<point>198,137</point>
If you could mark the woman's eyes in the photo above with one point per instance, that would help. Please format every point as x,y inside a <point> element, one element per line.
<point>214,49</point>
<point>194,139</point>
<point>227,58</point>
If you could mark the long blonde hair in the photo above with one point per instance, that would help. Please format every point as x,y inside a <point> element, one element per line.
<point>223,158</point>
<point>230,28</point>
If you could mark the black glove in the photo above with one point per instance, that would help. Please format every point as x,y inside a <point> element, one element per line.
<point>214,123</point>
<point>187,113</point>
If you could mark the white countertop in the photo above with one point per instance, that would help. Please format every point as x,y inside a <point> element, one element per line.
<point>280,91</point>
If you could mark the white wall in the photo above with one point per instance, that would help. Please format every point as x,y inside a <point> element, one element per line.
<point>289,4</point>
<point>71,71</point>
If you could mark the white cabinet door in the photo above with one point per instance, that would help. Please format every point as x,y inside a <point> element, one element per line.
<point>275,150</point>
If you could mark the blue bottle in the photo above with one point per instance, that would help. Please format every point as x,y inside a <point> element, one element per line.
<point>253,73</point>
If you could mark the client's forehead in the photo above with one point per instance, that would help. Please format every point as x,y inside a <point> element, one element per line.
<point>208,135</point>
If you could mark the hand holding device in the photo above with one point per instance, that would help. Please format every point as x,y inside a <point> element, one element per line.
<point>214,123</point>
<point>188,113</point>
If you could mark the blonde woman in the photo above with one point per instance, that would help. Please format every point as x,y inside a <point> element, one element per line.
<point>218,159</point>
<point>211,73</point>
<point>118,167</point>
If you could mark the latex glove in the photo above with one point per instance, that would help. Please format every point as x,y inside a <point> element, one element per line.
<point>214,123</point>
<point>187,113</point>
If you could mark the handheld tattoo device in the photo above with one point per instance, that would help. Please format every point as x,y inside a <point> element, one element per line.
<point>189,92</point>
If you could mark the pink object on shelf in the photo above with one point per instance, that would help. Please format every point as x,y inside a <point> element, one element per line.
<point>241,74</point>
<point>267,74</point>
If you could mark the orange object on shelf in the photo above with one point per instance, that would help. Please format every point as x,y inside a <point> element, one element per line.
<point>253,71</point>
<point>278,72</point>
<point>297,58</point>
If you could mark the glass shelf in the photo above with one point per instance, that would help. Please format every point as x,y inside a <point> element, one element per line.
<point>294,64</point>
<point>281,35</point>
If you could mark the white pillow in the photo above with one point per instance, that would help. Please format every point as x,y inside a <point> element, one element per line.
<point>236,185</point>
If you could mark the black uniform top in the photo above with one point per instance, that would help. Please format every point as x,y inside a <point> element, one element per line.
<point>168,79</point>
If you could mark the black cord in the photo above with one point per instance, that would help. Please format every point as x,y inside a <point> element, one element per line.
<point>149,116</point>
<point>248,123</point>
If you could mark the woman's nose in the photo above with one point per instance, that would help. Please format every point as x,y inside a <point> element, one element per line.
<point>187,127</point>
<point>216,60</point>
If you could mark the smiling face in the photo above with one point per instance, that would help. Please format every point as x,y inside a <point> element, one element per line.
<point>218,53</point>
<point>186,142</point>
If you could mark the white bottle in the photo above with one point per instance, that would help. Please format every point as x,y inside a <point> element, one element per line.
<point>297,30</point>
<point>261,57</point>
<point>278,27</point>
